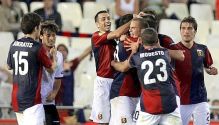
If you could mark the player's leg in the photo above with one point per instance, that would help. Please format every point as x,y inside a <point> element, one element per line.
<point>173,118</point>
<point>34,115</point>
<point>114,110</point>
<point>137,111</point>
<point>148,119</point>
<point>101,104</point>
<point>186,113</point>
<point>201,114</point>
<point>20,118</point>
<point>122,109</point>
<point>51,114</point>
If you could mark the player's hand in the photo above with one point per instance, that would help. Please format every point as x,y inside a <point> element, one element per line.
<point>113,62</point>
<point>53,51</point>
<point>51,96</point>
<point>131,45</point>
<point>122,37</point>
<point>212,71</point>
<point>141,14</point>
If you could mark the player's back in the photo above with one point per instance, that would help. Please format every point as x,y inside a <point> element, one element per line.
<point>24,58</point>
<point>155,75</point>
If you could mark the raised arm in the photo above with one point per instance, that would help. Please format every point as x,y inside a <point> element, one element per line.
<point>119,31</point>
<point>85,53</point>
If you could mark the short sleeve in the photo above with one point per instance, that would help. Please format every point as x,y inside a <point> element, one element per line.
<point>208,61</point>
<point>9,61</point>
<point>99,39</point>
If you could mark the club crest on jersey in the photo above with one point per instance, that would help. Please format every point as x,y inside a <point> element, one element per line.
<point>123,120</point>
<point>200,52</point>
<point>100,116</point>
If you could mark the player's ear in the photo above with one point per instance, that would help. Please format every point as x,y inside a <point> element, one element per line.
<point>97,24</point>
<point>41,36</point>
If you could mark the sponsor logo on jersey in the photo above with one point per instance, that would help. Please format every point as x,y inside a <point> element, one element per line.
<point>100,116</point>
<point>123,120</point>
<point>200,52</point>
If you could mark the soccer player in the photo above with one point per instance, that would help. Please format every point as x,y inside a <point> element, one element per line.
<point>103,46</point>
<point>164,41</point>
<point>26,58</point>
<point>158,98</point>
<point>125,89</point>
<point>191,74</point>
<point>51,82</point>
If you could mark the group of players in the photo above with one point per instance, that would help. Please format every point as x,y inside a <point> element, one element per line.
<point>37,72</point>
<point>144,78</point>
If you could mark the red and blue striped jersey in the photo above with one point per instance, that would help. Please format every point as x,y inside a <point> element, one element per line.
<point>191,72</point>
<point>155,74</point>
<point>103,50</point>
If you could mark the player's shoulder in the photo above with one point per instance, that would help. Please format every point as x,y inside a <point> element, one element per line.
<point>201,46</point>
<point>163,36</point>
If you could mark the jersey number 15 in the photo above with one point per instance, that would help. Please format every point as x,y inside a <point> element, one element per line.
<point>18,61</point>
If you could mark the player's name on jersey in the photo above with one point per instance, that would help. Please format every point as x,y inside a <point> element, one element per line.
<point>22,44</point>
<point>148,54</point>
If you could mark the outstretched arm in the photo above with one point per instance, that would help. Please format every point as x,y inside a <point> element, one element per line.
<point>125,65</point>
<point>85,53</point>
<point>177,54</point>
<point>120,66</point>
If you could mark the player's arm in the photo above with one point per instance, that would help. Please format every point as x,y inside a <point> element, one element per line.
<point>85,53</point>
<point>211,70</point>
<point>119,31</point>
<point>49,64</point>
<point>53,59</point>
<point>208,61</point>
<point>120,66</point>
<point>176,54</point>
<point>58,76</point>
<point>125,65</point>
<point>51,96</point>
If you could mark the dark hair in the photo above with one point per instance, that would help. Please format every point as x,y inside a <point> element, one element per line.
<point>125,19</point>
<point>150,12</point>
<point>191,20</point>
<point>151,20</point>
<point>29,22</point>
<point>48,27</point>
<point>96,16</point>
<point>149,36</point>
<point>143,24</point>
<point>64,46</point>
